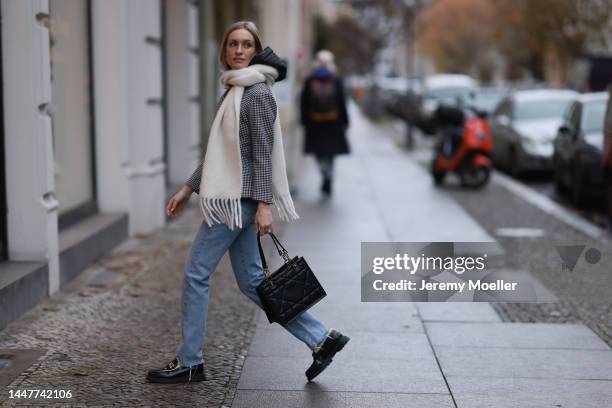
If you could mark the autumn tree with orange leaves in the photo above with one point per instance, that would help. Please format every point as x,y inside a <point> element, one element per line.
<point>535,37</point>
<point>453,34</point>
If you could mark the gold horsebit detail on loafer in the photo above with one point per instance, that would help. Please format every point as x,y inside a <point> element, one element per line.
<point>173,364</point>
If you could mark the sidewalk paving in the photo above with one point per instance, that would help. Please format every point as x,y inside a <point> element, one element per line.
<point>409,354</point>
<point>121,316</point>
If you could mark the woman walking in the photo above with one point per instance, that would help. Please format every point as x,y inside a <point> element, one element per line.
<point>324,116</point>
<point>242,174</point>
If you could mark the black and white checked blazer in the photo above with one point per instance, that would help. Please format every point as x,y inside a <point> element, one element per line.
<point>257,116</point>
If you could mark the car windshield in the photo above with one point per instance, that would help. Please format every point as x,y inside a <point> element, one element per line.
<point>488,101</point>
<point>593,116</point>
<point>450,94</point>
<point>541,108</point>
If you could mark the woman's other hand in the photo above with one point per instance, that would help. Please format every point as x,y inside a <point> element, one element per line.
<point>263,218</point>
<point>178,201</point>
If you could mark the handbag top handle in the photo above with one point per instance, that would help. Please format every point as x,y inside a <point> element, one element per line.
<point>279,247</point>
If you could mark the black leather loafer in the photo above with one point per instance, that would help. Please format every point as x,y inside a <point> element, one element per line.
<point>322,356</point>
<point>174,373</point>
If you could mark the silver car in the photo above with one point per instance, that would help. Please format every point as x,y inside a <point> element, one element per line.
<point>524,126</point>
<point>444,89</point>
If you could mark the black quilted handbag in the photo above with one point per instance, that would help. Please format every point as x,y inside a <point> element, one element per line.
<point>290,290</point>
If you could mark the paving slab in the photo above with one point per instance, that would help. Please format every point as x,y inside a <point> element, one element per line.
<point>364,346</point>
<point>479,392</point>
<point>362,318</point>
<point>349,374</point>
<point>312,397</point>
<point>341,291</point>
<point>529,288</point>
<point>350,300</point>
<point>346,274</point>
<point>567,364</point>
<point>338,259</point>
<point>408,219</point>
<point>457,312</point>
<point>514,335</point>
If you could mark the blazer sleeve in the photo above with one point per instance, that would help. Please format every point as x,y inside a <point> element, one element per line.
<point>262,115</point>
<point>196,177</point>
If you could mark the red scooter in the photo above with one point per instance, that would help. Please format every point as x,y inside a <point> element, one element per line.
<point>463,146</point>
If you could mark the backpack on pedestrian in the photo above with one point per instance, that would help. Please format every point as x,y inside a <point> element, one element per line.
<point>323,106</point>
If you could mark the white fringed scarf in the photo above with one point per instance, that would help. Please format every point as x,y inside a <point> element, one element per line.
<point>221,184</point>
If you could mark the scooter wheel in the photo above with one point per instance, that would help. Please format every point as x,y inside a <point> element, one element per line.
<point>474,177</point>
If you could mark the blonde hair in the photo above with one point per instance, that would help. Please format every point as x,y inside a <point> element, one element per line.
<point>324,58</point>
<point>247,25</point>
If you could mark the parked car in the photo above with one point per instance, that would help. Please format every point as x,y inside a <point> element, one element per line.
<point>397,86</point>
<point>487,98</point>
<point>607,155</point>
<point>578,148</point>
<point>524,126</point>
<point>445,89</point>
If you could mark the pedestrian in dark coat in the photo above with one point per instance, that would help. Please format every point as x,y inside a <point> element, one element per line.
<point>324,116</point>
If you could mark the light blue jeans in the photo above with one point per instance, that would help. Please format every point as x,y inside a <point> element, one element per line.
<point>208,248</point>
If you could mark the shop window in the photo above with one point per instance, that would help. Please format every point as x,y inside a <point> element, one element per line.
<point>71,109</point>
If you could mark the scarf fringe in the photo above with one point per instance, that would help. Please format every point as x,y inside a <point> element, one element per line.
<point>285,208</point>
<point>222,210</point>
<point>228,211</point>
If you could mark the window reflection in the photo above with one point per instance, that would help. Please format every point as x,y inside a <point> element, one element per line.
<point>71,103</point>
